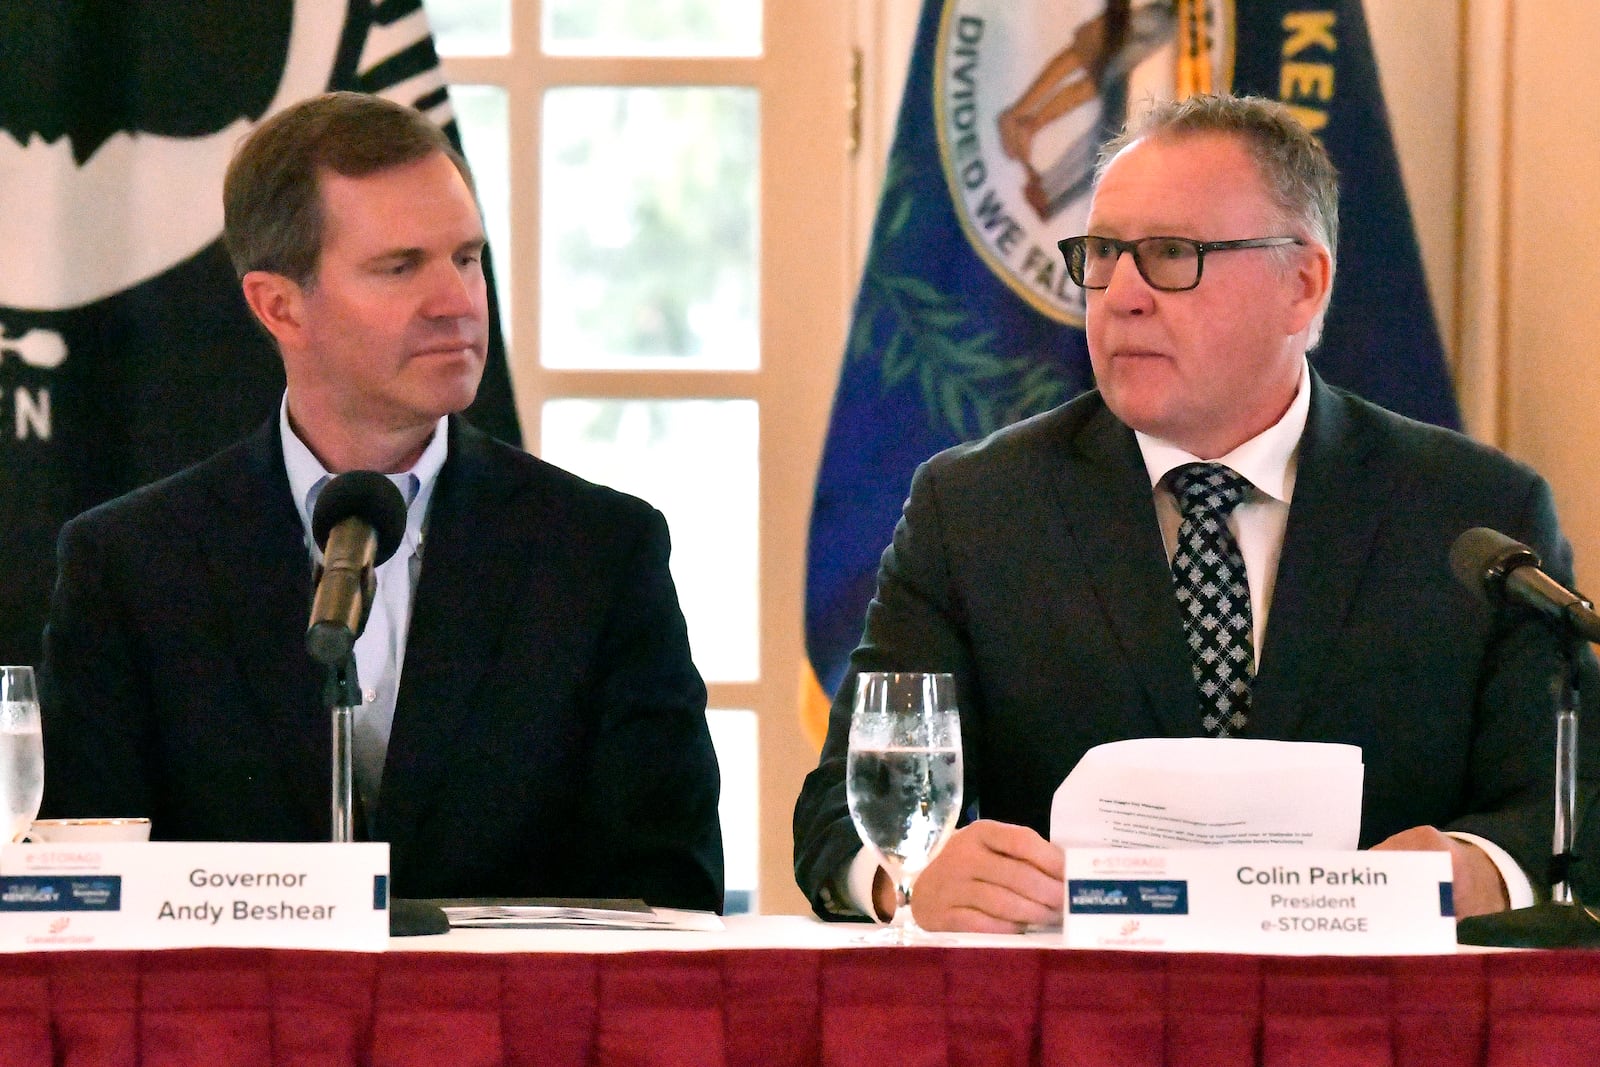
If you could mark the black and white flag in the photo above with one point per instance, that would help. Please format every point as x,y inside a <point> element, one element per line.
<point>126,350</point>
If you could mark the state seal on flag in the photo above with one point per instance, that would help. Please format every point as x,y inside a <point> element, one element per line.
<point>1025,95</point>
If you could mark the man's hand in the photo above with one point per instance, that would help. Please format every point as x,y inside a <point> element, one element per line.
<point>1479,889</point>
<point>991,877</point>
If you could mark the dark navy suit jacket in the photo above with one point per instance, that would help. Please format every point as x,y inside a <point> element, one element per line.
<point>1031,565</point>
<point>549,734</point>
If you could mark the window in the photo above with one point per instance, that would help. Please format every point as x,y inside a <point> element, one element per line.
<point>665,187</point>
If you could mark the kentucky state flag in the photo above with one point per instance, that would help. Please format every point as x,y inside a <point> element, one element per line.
<point>126,351</point>
<point>966,320</point>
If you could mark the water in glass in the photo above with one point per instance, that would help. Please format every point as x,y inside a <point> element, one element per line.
<point>21,751</point>
<point>904,802</point>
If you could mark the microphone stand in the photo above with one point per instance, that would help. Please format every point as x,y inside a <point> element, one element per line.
<point>1560,922</point>
<point>341,694</point>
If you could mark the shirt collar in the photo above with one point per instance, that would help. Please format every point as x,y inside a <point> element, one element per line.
<point>307,476</point>
<point>1267,460</point>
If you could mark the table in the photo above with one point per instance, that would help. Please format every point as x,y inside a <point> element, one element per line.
<point>786,991</point>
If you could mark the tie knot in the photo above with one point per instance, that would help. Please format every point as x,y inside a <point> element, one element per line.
<point>1208,488</point>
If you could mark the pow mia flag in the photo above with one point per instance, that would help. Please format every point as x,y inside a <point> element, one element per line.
<point>126,349</point>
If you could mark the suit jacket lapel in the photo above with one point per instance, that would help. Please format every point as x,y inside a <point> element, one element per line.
<point>260,548</point>
<point>1105,494</point>
<point>1341,500</point>
<point>457,613</point>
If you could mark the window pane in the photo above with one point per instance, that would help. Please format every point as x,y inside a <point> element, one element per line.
<point>481,117</point>
<point>648,228</point>
<point>734,735</point>
<point>470,27</point>
<point>653,27</point>
<point>696,460</point>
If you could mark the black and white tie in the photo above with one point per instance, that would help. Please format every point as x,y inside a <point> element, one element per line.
<point>1213,595</point>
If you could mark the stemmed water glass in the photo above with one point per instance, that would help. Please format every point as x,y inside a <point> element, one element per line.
<point>903,779</point>
<point>21,752</point>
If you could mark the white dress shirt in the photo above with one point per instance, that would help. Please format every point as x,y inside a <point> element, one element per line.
<point>381,649</point>
<point>1269,461</point>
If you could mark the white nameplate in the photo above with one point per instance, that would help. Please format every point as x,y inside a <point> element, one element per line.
<point>1270,901</point>
<point>181,894</point>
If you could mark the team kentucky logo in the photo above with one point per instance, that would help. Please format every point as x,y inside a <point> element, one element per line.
<point>1026,94</point>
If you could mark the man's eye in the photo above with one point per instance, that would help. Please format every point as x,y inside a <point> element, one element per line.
<point>1101,250</point>
<point>1171,250</point>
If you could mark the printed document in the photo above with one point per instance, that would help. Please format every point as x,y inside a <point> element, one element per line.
<point>1197,792</point>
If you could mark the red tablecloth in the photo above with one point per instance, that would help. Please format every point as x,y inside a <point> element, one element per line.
<point>871,1007</point>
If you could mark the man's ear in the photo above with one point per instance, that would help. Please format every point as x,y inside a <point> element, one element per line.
<point>277,303</point>
<point>1311,277</point>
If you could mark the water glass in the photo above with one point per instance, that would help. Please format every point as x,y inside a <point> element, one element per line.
<point>903,778</point>
<point>21,751</point>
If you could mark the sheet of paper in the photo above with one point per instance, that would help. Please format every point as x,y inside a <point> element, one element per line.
<point>1197,792</point>
<point>533,914</point>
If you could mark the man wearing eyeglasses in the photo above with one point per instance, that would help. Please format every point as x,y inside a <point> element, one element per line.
<point>1214,542</point>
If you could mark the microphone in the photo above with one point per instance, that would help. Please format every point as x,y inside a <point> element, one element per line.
<point>1497,568</point>
<point>359,520</point>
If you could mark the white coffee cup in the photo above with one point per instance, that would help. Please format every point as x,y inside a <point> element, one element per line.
<point>79,830</point>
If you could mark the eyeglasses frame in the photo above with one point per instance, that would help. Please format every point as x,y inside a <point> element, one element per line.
<point>1131,248</point>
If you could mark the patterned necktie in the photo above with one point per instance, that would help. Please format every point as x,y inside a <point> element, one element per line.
<point>1213,596</point>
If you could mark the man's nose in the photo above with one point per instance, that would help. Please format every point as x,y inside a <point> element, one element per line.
<point>1128,292</point>
<point>452,292</point>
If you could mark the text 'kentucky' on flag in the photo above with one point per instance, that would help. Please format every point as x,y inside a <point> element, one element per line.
<point>966,321</point>
<point>126,349</point>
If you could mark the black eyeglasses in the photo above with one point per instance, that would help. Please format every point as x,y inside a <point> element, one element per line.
<point>1171,264</point>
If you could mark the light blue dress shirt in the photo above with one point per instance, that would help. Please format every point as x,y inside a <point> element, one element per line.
<point>381,648</point>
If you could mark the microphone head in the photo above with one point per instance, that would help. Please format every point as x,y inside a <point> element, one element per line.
<point>364,495</point>
<point>1481,558</point>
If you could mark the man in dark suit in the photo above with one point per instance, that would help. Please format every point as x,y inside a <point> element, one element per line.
<point>532,724</point>
<point>1048,566</point>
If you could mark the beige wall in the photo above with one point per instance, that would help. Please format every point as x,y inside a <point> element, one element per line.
<point>1492,103</point>
<point>1551,349</point>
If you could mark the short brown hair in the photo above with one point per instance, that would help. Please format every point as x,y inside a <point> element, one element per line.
<point>1294,166</point>
<point>272,197</point>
